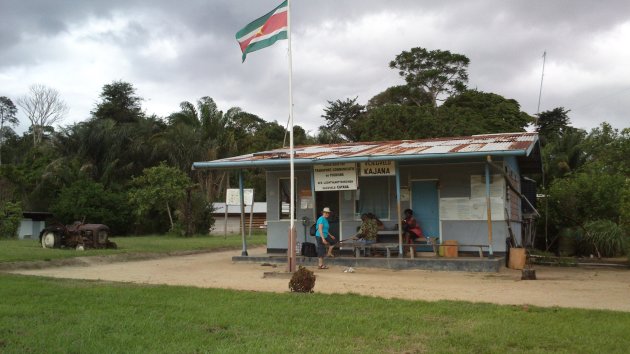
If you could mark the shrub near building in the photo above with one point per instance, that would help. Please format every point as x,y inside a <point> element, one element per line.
<point>10,216</point>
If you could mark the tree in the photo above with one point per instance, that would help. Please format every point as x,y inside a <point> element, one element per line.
<point>434,72</point>
<point>7,118</point>
<point>341,117</point>
<point>552,124</point>
<point>119,102</point>
<point>564,155</point>
<point>476,112</point>
<point>404,95</point>
<point>158,187</point>
<point>608,149</point>
<point>43,107</point>
<point>586,197</point>
<point>394,122</point>
<point>89,200</point>
<point>200,132</point>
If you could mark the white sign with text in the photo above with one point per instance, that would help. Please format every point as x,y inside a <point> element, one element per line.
<point>233,196</point>
<point>335,176</point>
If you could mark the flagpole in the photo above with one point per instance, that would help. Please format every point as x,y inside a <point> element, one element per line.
<point>292,238</point>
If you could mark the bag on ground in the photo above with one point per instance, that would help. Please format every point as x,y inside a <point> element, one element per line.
<point>308,249</point>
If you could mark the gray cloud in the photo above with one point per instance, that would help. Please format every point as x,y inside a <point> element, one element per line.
<point>174,51</point>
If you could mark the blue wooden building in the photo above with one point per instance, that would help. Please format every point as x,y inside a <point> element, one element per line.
<point>460,188</point>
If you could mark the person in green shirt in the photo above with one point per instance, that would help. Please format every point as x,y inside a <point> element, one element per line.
<point>368,231</point>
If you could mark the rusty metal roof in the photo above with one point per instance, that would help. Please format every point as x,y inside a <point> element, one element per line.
<point>507,144</point>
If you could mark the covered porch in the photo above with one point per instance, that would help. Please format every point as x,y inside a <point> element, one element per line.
<point>465,263</point>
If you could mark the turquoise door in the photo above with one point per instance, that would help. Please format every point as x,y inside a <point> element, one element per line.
<point>424,203</point>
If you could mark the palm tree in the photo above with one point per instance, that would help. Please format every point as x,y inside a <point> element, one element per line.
<point>197,133</point>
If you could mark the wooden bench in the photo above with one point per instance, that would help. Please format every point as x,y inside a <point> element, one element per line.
<point>479,247</point>
<point>389,247</point>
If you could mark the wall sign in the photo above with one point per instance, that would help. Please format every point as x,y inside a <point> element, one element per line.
<point>378,168</point>
<point>335,176</point>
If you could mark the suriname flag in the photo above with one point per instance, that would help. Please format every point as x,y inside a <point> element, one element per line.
<point>264,31</point>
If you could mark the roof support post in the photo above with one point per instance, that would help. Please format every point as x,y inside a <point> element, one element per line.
<point>400,247</point>
<point>489,207</point>
<point>242,195</point>
<point>313,196</point>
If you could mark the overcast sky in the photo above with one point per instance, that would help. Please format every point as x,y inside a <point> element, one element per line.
<point>181,50</point>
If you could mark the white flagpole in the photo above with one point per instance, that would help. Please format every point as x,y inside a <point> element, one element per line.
<point>291,251</point>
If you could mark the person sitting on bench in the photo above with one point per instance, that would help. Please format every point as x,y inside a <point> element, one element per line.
<point>411,228</point>
<point>368,231</point>
<point>379,223</point>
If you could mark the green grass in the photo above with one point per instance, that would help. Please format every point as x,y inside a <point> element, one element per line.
<point>54,316</point>
<point>29,250</point>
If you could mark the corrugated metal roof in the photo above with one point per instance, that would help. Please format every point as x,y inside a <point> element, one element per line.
<point>516,144</point>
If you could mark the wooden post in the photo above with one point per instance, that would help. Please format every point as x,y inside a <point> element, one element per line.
<point>251,217</point>
<point>225,219</point>
<point>400,240</point>
<point>242,195</point>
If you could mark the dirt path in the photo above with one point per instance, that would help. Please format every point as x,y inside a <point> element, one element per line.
<point>593,288</point>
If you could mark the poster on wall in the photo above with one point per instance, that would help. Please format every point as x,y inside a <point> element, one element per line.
<point>335,176</point>
<point>471,209</point>
<point>478,186</point>
<point>233,196</point>
<point>377,168</point>
<point>306,199</point>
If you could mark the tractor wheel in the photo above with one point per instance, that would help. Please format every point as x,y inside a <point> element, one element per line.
<point>50,240</point>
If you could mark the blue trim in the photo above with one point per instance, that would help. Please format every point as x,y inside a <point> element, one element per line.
<point>400,249</point>
<point>309,162</point>
<point>489,207</point>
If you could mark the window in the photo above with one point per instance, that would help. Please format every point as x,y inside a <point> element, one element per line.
<point>374,196</point>
<point>285,201</point>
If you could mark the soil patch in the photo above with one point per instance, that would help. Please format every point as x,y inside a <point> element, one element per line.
<point>577,287</point>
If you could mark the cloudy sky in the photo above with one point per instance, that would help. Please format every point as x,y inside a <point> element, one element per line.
<point>181,50</point>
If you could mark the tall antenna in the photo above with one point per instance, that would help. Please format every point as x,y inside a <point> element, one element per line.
<point>541,81</point>
<point>542,76</point>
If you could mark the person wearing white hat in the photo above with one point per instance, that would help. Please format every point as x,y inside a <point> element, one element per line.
<point>327,239</point>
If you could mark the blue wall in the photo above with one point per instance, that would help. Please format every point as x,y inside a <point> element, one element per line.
<point>454,181</point>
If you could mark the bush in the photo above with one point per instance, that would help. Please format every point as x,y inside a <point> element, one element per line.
<point>604,236</point>
<point>302,281</point>
<point>10,217</point>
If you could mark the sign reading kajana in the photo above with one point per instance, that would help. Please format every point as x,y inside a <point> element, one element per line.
<point>335,176</point>
<point>378,168</point>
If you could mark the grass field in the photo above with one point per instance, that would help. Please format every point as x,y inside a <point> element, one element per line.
<point>40,315</point>
<point>27,250</point>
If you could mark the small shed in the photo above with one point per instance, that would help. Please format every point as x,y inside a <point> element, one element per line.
<point>465,189</point>
<point>32,223</point>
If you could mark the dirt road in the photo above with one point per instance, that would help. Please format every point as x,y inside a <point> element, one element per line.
<point>592,288</point>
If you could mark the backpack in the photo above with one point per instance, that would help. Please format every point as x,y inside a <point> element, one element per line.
<point>308,249</point>
<point>313,230</point>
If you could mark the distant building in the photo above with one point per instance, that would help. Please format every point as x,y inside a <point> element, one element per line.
<point>259,220</point>
<point>32,223</point>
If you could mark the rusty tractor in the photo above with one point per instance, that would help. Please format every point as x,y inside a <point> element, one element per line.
<point>78,236</point>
